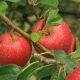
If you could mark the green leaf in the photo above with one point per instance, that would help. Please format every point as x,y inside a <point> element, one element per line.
<point>63,58</point>
<point>50,3</point>
<point>55,20</point>
<point>14,1</point>
<point>9,69</point>
<point>9,72</point>
<point>52,14</point>
<point>57,73</point>
<point>35,36</point>
<point>60,56</point>
<point>3,8</point>
<point>57,76</point>
<point>76,54</point>
<point>44,71</point>
<point>27,72</point>
<point>8,77</point>
<point>33,59</point>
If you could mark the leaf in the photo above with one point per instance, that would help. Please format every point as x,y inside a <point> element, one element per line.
<point>55,20</point>
<point>63,58</point>
<point>50,3</point>
<point>44,71</point>
<point>35,36</point>
<point>8,77</point>
<point>9,72</point>
<point>3,8</point>
<point>57,73</point>
<point>57,76</point>
<point>76,54</point>
<point>33,59</point>
<point>28,71</point>
<point>14,1</point>
<point>52,14</point>
<point>9,69</point>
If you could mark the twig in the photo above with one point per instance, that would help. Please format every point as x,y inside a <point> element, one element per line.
<point>46,60</point>
<point>10,24</point>
<point>45,19</point>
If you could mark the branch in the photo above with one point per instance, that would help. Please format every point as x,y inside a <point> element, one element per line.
<point>10,24</point>
<point>45,19</point>
<point>46,60</point>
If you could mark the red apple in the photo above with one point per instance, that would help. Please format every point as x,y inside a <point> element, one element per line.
<point>74,75</point>
<point>55,37</point>
<point>14,49</point>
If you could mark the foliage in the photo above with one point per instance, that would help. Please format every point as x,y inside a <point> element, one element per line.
<point>22,14</point>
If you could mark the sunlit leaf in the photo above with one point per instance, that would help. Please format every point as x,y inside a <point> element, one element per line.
<point>35,36</point>
<point>3,8</point>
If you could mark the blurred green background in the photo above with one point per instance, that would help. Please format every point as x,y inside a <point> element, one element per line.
<point>22,15</point>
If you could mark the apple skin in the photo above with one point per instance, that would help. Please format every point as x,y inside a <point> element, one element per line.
<point>74,75</point>
<point>14,49</point>
<point>60,37</point>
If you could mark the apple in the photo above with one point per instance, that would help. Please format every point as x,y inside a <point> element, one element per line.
<point>74,75</point>
<point>14,49</point>
<point>56,37</point>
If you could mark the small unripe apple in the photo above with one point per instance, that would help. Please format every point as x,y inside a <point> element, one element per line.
<point>55,37</point>
<point>74,75</point>
<point>14,49</point>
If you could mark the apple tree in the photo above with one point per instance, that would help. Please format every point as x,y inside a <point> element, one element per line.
<point>36,43</point>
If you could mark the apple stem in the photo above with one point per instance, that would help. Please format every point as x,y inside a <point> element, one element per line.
<point>10,24</point>
<point>45,20</point>
<point>12,35</point>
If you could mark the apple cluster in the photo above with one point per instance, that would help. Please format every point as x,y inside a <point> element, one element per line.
<point>16,49</point>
